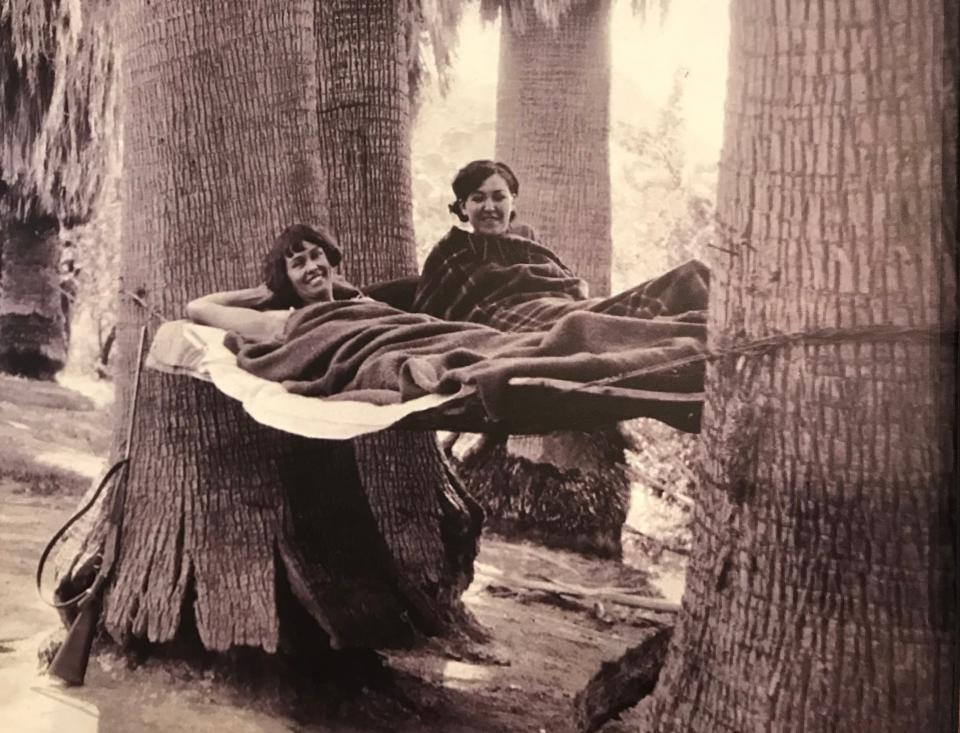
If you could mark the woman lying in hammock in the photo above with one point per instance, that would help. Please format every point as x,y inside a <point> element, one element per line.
<point>499,276</point>
<point>310,331</point>
<point>300,268</point>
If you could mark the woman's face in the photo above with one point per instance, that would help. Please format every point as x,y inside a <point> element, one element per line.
<point>488,207</point>
<point>310,274</point>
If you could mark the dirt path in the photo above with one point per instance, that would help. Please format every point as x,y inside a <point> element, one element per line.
<point>543,649</point>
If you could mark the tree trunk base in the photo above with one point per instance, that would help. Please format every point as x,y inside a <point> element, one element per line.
<point>305,684</point>
<point>621,684</point>
<point>566,490</point>
<point>601,543</point>
<point>32,335</point>
<point>31,346</point>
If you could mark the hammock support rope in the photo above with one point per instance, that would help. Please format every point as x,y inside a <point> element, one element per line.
<point>540,405</point>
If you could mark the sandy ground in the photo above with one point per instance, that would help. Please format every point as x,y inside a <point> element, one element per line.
<point>543,647</point>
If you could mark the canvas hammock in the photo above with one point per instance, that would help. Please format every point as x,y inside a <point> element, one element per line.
<point>456,390</point>
<point>495,335</point>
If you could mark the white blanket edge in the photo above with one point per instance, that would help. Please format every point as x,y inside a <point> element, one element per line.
<point>198,352</point>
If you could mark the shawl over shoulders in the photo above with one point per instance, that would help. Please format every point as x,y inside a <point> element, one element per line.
<point>477,278</point>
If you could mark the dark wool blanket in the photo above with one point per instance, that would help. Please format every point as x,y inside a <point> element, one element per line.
<point>515,284</point>
<point>366,350</point>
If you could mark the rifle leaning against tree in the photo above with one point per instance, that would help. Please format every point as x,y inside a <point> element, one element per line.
<point>70,662</point>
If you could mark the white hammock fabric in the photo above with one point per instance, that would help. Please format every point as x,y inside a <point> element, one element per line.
<point>185,348</point>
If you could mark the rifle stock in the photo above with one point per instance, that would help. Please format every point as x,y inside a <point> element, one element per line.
<point>71,660</point>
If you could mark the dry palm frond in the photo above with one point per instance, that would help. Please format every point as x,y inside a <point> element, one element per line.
<point>81,139</point>
<point>489,10</point>
<point>437,21</point>
<point>441,20</point>
<point>664,9</point>
<point>58,123</point>
<point>520,12</point>
<point>640,8</point>
<point>549,12</point>
<point>432,36</point>
<point>26,84</point>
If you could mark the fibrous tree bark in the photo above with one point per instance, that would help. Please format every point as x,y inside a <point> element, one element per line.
<point>32,335</point>
<point>363,59</point>
<point>619,684</point>
<point>565,489</point>
<point>822,589</point>
<point>228,525</point>
<point>553,119</point>
<point>553,126</point>
<point>365,55</point>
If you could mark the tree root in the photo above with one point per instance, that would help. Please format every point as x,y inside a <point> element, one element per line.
<point>621,684</point>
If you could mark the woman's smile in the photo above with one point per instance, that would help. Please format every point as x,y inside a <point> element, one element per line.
<point>309,273</point>
<point>314,275</point>
<point>488,207</point>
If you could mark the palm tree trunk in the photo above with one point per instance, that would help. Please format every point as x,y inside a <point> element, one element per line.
<point>32,335</point>
<point>822,590</point>
<point>365,117</point>
<point>553,125</point>
<point>430,524</point>
<point>553,120</point>
<point>227,522</point>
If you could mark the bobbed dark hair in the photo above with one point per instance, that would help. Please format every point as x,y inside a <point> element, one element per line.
<point>471,177</point>
<point>289,242</point>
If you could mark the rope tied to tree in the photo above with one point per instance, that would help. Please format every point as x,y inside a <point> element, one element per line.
<point>947,335</point>
<point>144,305</point>
<point>767,344</point>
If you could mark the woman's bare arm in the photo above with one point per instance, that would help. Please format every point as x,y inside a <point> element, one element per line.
<point>234,310</point>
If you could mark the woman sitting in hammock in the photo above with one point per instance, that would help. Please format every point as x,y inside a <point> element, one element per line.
<point>299,269</point>
<point>309,331</point>
<point>499,276</point>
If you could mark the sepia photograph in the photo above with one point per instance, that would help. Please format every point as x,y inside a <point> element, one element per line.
<point>479,366</point>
